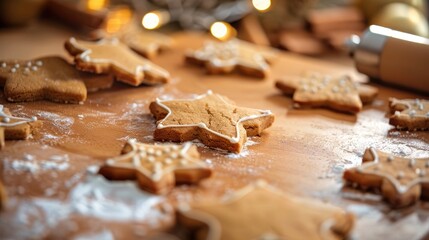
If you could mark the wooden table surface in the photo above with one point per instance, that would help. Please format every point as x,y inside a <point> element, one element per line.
<point>303,153</point>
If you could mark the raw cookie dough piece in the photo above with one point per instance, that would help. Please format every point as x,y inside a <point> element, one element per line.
<point>212,118</point>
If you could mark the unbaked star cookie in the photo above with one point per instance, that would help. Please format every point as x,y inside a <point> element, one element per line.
<point>259,211</point>
<point>225,57</point>
<point>112,56</point>
<point>337,93</point>
<point>157,168</point>
<point>48,78</point>
<point>211,118</point>
<point>402,181</point>
<point>13,128</point>
<point>409,114</point>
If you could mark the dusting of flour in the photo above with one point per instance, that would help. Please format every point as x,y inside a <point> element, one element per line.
<point>95,197</point>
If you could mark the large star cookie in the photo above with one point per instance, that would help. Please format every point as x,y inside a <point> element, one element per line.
<point>211,118</point>
<point>262,212</point>
<point>13,128</point>
<point>337,93</point>
<point>112,56</point>
<point>157,168</point>
<point>225,57</point>
<point>411,114</point>
<point>402,181</point>
<point>48,78</point>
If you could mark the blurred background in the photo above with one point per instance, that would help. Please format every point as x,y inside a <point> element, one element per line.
<point>316,28</point>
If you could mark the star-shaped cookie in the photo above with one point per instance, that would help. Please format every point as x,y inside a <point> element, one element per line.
<point>410,114</point>
<point>13,128</point>
<point>337,93</point>
<point>157,168</point>
<point>225,57</point>
<point>112,56</point>
<point>259,211</point>
<point>402,181</point>
<point>48,78</point>
<point>211,118</point>
<point>146,43</point>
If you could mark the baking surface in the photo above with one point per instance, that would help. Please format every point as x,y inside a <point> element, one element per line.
<point>304,152</point>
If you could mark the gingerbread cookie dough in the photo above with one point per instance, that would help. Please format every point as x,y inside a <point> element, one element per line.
<point>225,57</point>
<point>48,78</point>
<point>112,56</point>
<point>157,168</point>
<point>259,211</point>
<point>14,128</point>
<point>212,118</point>
<point>337,93</point>
<point>409,114</point>
<point>402,181</point>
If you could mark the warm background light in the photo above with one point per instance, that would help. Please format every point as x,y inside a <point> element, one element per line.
<point>151,20</point>
<point>117,19</point>
<point>96,5</point>
<point>222,30</point>
<point>261,5</point>
<point>219,30</point>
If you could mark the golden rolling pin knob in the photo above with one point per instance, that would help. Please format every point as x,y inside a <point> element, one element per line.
<point>402,17</point>
<point>393,57</point>
<point>371,8</point>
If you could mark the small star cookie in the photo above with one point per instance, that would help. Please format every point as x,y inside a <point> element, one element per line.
<point>48,78</point>
<point>259,211</point>
<point>402,181</point>
<point>112,56</point>
<point>157,168</point>
<point>211,118</point>
<point>225,57</point>
<point>338,93</point>
<point>13,128</point>
<point>146,43</point>
<point>409,114</point>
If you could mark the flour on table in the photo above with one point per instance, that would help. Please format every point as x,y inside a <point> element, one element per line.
<point>102,235</point>
<point>61,122</point>
<point>148,137</point>
<point>118,201</point>
<point>62,125</point>
<point>96,197</point>
<point>29,163</point>
<point>221,152</point>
